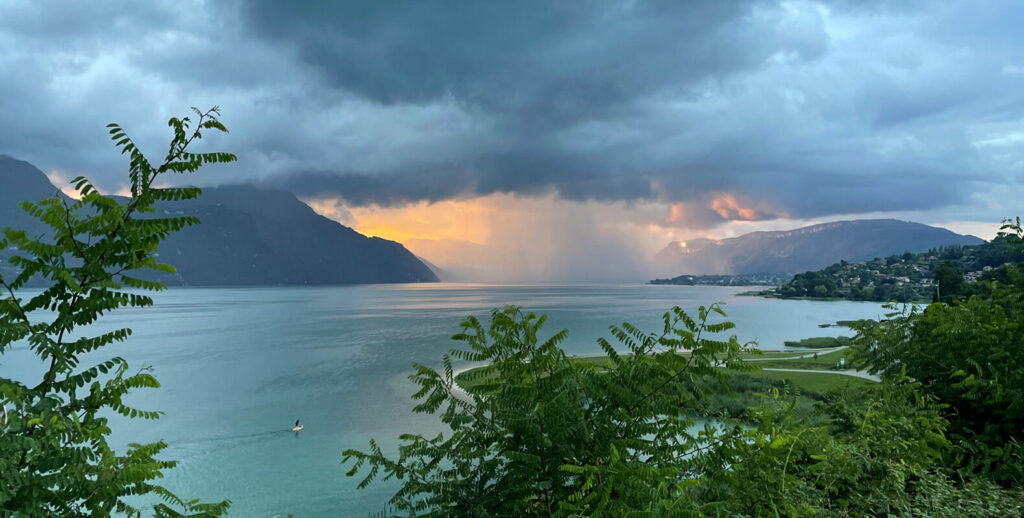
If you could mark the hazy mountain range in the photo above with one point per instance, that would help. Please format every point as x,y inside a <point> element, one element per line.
<point>257,236</point>
<point>803,249</point>
<point>248,236</point>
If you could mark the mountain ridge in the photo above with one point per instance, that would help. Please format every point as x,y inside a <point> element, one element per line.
<point>248,236</point>
<point>805,248</point>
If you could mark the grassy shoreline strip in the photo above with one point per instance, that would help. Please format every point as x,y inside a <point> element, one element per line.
<point>816,382</point>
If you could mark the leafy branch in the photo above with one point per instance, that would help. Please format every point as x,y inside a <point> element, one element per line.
<point>55,457</point>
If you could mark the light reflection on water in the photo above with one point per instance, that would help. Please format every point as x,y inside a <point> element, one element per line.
<point>239,365</point>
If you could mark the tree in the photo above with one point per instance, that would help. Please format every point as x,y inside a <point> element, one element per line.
<point>537,434</point>
<point>968,356</point>
<point>54,456</point>
<point>950,282</point>
<point>543,435</point>
<point>874,451</point>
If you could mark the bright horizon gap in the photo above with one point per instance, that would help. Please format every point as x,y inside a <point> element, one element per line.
<point>517,236</point>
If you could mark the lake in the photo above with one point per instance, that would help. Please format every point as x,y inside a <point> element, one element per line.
<point>240,365</point>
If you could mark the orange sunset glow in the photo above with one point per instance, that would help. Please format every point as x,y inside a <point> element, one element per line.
<point>464,220</point>
<point>510,236</point>
<point>503,236</point>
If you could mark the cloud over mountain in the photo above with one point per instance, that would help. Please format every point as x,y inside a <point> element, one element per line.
<point>720,110</point>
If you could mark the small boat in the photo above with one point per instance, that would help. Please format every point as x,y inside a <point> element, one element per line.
<point>297,426</point>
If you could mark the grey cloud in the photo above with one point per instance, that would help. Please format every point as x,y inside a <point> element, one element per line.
<point>535,61</point>
<point>802,108</point>
<point>517,173</point>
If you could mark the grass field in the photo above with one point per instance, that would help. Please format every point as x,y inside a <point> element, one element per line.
<point>761,357</point>
<point>818,383</point>
<point>805,381</point>
<point>822,362</point>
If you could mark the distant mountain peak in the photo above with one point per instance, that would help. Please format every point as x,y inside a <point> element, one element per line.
<point>802,249</point>
<point>21,181</point>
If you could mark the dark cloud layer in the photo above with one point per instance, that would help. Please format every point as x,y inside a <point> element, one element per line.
<point>798,108</point>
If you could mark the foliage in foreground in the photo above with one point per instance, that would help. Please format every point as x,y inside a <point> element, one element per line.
<point>969,356</point>
<point>939,437</point>
<point>554,437</point>
<point>54,456</point>
<point>876,451</point>
<point>540,435</point>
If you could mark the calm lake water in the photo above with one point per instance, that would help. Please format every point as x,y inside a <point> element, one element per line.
<point>239,366</point>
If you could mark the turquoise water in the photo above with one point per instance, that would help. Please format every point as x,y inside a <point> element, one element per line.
<point>239,366</point>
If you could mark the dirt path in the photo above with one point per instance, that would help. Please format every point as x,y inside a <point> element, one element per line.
<point>798,357</point>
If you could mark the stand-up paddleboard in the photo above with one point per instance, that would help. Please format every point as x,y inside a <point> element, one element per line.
<point>297,426</point>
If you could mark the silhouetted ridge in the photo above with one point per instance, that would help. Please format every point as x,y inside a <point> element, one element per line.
<point>248,236</point>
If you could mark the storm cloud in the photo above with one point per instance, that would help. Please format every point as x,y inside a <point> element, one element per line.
<point>721,111</point>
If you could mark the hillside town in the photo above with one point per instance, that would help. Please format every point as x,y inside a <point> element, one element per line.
<point>904,277</point>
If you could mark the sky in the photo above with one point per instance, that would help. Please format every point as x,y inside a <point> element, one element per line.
<point>545,140</point>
